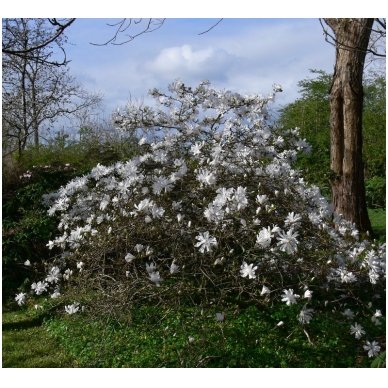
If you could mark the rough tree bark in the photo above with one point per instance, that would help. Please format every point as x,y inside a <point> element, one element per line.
<point>346,105</point>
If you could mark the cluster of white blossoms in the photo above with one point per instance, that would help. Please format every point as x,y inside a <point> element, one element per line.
<point>212,191</point>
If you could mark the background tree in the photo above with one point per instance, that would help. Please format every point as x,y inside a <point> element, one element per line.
<point>13,43</point>
<point>35,89</point>
<point>311,113</point>
<point>351,38</point>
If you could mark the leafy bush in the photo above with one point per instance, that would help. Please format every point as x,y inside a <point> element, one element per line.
<point>210,212</point>
<point>375,192</point>
<point>27,226</point>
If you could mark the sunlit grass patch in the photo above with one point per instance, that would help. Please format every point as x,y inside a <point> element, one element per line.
<point>26,344</point>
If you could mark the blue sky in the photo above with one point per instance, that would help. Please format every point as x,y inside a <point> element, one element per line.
<point>245,55</point>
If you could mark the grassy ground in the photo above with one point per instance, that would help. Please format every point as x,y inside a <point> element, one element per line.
<point>26,344</point>
<point>378,221</point>
<point>154,337</point>
<point>183,337</point>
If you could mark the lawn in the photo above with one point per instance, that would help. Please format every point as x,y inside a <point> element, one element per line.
<point>378,221</point>
<point>27,344</point>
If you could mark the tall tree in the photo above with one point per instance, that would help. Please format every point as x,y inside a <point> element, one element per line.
<point>36,90</point>
<point>351,38</point>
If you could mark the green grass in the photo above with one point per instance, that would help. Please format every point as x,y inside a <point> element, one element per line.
<point>190,337</point>
<point>155,337</point>
<point>378,220</point>
<point>26,344</point>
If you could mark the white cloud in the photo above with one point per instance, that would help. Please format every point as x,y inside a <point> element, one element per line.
<point>175,59</point>
<point>187,62</point>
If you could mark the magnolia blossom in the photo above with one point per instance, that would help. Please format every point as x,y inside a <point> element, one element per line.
<point>289,297</point>
<point>240,198</point>
<point>50,245</point>
<point>160,184</point>
<point>67,274</point>
<point>264,237</point>
<point>174,268</point>
<point>206,177</point>
<point>56,294</point>
<point>144,205</point>
<point>129,257</point>
<point>196,148</point>
<point>349,314</point>
<point>261,199</point>
<point>214,213</point>
<point>357,330</point>
<point>139,248</point>
<point>39,287</point>
<point>72,308</point>
<point>220,317</point>
<point>305,315</point>
<point>155,277</point>
<point>150,267</point>
<point>248,270</point>
<point>27,263</point>
<point>265,290</point>
<point>54,275</point>
<point>372,348</point>
<point>287,242</point>
<point>205,242</point>
<point>292,219</point>
<point>376,317</point>
<point>308,294</point>
<point>20,298</point>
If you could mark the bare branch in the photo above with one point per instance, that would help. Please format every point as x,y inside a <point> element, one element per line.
<point>124,25</point>
<point>213,26</point>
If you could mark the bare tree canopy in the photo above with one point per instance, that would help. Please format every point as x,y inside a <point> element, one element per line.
<point>35,90</point>
<point>376,44</point>
<point>28,46</point>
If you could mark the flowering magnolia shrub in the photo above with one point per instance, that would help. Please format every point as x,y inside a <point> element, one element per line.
<point>210,210</point>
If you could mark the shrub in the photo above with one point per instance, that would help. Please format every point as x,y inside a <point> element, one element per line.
<point>26,224</point>
<point>375,192</point>
<point>210,212</point>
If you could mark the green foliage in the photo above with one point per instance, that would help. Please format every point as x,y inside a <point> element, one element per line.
<point>374,125</point>
<point>192,337</point>
<point>375,192</point>
<point>311,114</point>
<point>380,361</point>
<point>26,225</point>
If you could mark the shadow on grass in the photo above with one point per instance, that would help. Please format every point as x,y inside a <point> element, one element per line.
<point>26,343</point>
<point>24,324</point>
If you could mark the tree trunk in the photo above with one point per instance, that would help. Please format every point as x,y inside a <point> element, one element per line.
<point>346,104</point>
<point>34,123</point>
